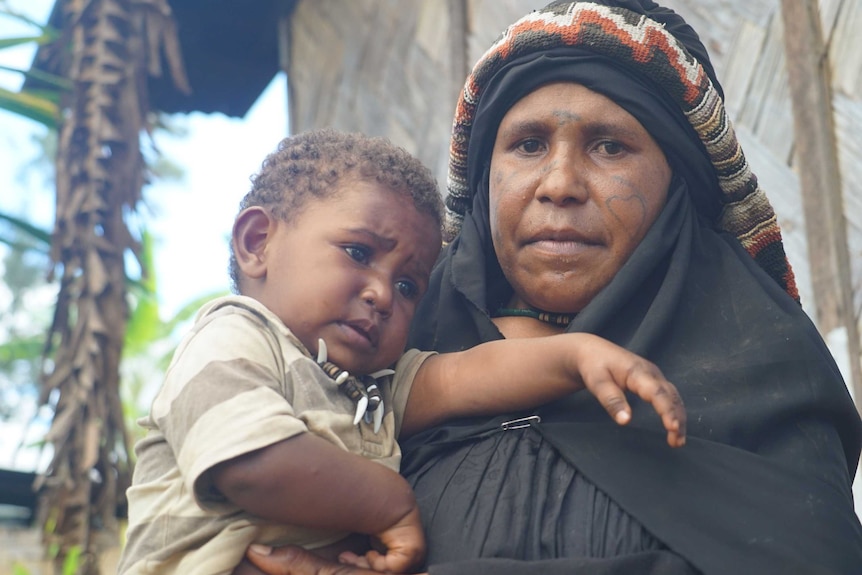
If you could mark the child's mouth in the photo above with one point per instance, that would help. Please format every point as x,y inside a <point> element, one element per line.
<point>365,332</point>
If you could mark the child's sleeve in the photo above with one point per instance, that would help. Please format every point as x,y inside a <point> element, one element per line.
<point>224,396</point>
<point>402,382</point>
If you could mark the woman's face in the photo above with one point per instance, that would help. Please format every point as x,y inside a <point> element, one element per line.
<point>575,183</point>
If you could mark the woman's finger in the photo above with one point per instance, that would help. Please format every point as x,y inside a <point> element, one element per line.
<point>292,560</point>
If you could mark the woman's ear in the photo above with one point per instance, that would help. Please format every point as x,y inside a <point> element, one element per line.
<point>251,231</point>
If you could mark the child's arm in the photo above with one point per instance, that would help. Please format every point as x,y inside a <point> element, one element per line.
<point>513,374</point>
<point>306,480</point>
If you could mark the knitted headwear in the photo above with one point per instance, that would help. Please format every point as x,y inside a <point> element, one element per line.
<point>651,52</point>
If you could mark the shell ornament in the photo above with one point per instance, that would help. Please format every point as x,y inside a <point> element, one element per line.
<point>362,389</point>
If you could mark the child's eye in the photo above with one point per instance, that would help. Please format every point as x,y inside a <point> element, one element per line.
<point>407,288</point>
<point>359,254</point>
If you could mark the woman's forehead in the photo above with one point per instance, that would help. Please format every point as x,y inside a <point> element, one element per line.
<point>566,101</point>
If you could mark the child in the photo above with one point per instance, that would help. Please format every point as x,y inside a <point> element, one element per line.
<point>257,436</point>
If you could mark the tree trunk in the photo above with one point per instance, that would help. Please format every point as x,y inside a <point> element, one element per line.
<point>100,174</point>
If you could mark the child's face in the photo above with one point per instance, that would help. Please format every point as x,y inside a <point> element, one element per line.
<point>350,269</point>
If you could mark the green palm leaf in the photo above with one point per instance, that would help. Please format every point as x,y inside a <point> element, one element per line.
<point>42,237</point>
<point>12,42</point>
<point>29,105</point>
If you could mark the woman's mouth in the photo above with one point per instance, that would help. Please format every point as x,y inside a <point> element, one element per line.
<point>558,247</point>
<point>561,248</point>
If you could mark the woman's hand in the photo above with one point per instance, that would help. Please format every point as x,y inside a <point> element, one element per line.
<point>293,560</point>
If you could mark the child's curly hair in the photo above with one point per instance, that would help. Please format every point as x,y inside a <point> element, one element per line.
<point>311,164</point>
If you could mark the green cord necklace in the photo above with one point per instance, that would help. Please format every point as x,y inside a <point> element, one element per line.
<point>553,318</point>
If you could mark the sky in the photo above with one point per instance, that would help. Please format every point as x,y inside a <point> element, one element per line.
<point>190,219</point>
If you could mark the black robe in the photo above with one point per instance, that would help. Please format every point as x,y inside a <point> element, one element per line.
<point>763,484</point>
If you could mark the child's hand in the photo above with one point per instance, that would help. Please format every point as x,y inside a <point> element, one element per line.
<point>405,548</point>
<point>608,370</point>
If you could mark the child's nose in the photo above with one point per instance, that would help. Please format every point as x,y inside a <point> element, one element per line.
<point>378,294</point>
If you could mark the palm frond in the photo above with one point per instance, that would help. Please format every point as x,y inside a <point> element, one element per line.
<point>29,105</point>
<point>6,10</point>
<point>52,80</point>
<point>22,40</point>
<point>42,237</point>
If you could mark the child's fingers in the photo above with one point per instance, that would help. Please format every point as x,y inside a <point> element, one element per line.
<point>404,545</point>
<point>651,386</point>
<point>608,371</point>
<point>611,396</point>
<point>675,422</point>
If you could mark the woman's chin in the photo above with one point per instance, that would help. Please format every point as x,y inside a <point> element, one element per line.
<point>548,295</point>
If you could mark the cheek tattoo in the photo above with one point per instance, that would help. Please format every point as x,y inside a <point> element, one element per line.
<point>620,206</point>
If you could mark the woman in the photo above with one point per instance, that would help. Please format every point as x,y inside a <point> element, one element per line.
<point>596,185</point>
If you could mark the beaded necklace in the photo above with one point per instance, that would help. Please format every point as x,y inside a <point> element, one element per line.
<point>553,318</point>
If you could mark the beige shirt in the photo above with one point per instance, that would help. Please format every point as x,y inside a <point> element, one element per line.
<point>240,381</point>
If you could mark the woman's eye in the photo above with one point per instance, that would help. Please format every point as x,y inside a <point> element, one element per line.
<point>529,146</point>
<point>407,288</point>
<point>611,148</point>
<point>359,254</point>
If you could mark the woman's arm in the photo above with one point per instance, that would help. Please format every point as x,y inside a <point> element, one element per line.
<point>514,374</point>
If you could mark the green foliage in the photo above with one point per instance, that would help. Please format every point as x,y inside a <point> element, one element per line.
<point>38,105</point>
<point>12,42</point>
<point>72,560</point>
<point>22,348</point>
<point>30,105</point>
<point>150,339</point>
<point>23,321</point>
<point>144,323</point>
<point>41,239</point>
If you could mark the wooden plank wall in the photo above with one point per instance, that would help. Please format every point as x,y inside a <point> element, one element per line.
<point>746,43</point>
<point>387,67</point>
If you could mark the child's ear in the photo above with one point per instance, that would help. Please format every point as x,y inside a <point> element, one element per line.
<point>251,231</point>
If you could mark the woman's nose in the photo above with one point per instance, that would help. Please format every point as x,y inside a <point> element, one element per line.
<point>378,294</point>
<point>562,181</point>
